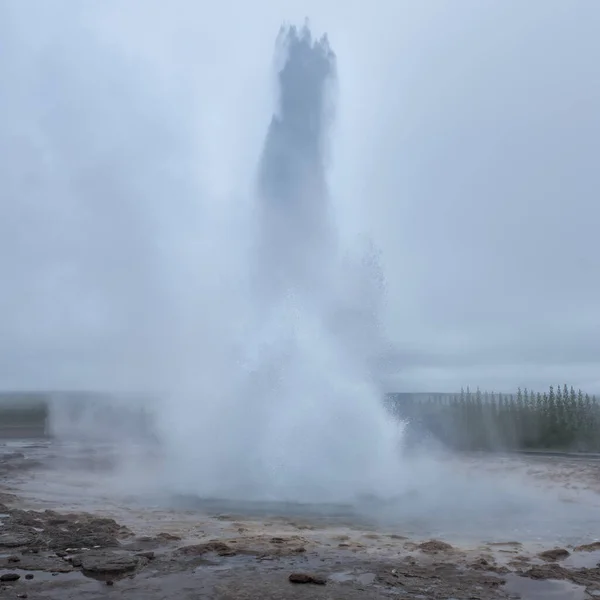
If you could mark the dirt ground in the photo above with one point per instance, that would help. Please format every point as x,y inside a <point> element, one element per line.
<point>51,554</point>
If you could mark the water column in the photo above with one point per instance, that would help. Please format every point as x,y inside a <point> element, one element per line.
<point>322,433</point>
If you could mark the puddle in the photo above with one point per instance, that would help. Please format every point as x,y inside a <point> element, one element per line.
<point>341,577</point>
<point>232,562</point>
<point>43,575</point>
<point>215,568</point>
<point>345,576</point>
<point>582,559</point>
<point>547,589</point>
<point>106,577</point>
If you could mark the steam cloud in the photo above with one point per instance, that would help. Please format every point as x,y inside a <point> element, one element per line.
<point>301,415</point>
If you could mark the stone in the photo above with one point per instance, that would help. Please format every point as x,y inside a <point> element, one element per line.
<point>38,562</point>
<point>554,554</point>
<point>108,562</point>
<point>306,578</point>
<point>168,537</point>
<point>14,540</point>
<point>588,547</point>
<point>220,548</point>
<point>434,546</point>
<point>76,561</point>
<point>549,571</point>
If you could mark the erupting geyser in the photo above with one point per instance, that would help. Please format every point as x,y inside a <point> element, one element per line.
<point>295,231</point>
<point>298,416</point>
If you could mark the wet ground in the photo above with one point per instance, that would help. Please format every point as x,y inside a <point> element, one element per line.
<point>73,525</point>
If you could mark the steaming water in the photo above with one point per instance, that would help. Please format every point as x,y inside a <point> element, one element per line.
<point>300,416</point>
<point>493,499</point>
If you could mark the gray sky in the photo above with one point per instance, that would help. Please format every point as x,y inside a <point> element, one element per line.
<point>466,141</point>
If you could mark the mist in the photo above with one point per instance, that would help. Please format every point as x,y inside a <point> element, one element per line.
<point>266,232</point>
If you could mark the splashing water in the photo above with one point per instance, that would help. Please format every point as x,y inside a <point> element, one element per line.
<point>297,415</point>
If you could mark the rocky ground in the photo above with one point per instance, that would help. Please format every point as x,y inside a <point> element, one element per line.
<point>50,554</point>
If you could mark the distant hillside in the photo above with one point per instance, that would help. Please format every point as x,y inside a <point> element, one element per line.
<point>28,398</point>
<point>73,413</point>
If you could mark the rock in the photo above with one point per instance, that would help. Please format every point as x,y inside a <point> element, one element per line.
<point>82,535</point>
<point>14,540</point>
<point>29,576</point>
<point>588,547</point>
<point>73,530</point>
<point>12,456</point>
<point>434,546</point>
<point>306,578</point>
<point>110,582</point>
<point>168,537</point>
<point>56,531</point>
<point>58,521</point>
<point>149,555</point>
<point>76,561</point>
<point>27,518</point>
<point>480,564</point>
<point>10,577</point>
<point>550,571</point>
<point>554,554</point>
<point>300,578</point>
<point>38,562</point>
<point>221,548</point>
<point>14,559</point>
<point>108,562</point>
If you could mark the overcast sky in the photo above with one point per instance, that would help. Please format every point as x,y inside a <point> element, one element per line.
<point>466,143</point>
